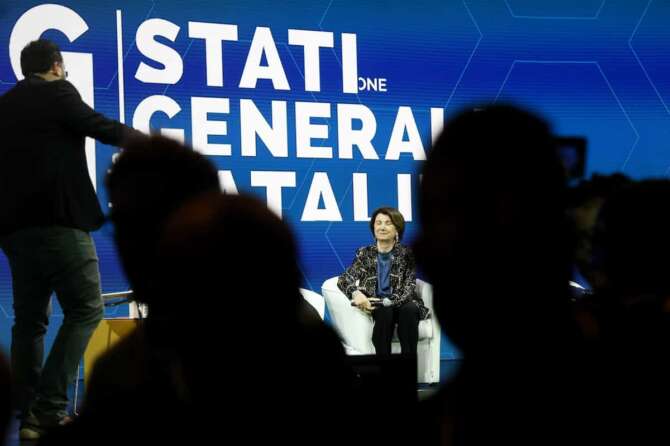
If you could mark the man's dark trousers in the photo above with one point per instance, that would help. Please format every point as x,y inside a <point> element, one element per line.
<point>44,260</point>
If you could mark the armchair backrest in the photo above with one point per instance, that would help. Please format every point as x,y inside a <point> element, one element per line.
<point>425,292</point>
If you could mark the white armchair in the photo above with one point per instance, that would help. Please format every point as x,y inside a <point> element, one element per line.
<point>355,329</point>
<point>315,300</point>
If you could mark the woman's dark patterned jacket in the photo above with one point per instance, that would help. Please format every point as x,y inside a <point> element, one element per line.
<point>362,275</point>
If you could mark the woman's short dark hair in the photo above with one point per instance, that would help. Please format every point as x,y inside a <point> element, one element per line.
<point>38,56</point>
<point>396,218</point>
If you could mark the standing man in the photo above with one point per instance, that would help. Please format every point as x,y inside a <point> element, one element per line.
<point>47,209</point>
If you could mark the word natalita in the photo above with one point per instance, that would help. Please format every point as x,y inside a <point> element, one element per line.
<point>321,191</point>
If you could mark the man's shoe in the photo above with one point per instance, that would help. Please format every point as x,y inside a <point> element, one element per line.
<point>31,429</point>
<point>30,432</point>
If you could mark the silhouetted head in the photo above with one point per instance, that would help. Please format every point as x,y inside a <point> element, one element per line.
<point>493,233</point>
<point>150,179</point>
<point>230,251</point>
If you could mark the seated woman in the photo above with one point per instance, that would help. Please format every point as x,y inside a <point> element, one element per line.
<point>382,281</point>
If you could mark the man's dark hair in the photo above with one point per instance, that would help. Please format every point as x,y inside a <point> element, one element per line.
<point>38,56</point>
<point>396,218</point>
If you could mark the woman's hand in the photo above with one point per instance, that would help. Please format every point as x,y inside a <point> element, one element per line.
<point>360,299</point>
<point>364,302</point>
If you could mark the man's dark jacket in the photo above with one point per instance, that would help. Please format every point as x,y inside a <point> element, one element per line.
<point>44,178</point>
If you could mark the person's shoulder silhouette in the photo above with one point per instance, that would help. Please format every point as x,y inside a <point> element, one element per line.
<point>496,246</point>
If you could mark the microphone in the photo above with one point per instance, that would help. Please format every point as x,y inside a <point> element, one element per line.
<point>385,302</point>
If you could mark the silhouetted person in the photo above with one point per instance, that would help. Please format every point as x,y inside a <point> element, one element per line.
<point>584,203</point>
<point>5,398</point>
<point>227,346</point>
<point>495,245</point>
<point>150,179</point>
<point>49,207</point>
<point>230,265</point>
<point>632,309</point>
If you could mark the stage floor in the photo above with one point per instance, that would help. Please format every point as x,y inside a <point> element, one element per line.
<point>447,370</point>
